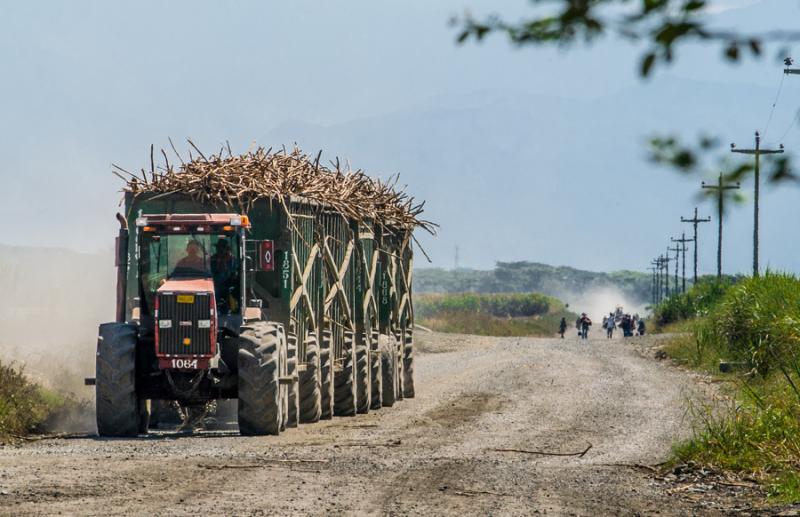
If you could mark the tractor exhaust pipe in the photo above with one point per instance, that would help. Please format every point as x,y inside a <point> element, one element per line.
<point>122,268</point>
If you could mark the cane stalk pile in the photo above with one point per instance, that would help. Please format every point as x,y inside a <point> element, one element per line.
<point>239,180</point>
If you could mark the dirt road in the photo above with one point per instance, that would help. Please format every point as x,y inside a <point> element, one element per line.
<point>435,454</point>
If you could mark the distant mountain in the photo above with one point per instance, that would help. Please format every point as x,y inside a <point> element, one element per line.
<point>563,282</point>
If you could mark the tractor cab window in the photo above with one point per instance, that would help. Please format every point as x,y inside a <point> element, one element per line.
<point>184,256</point>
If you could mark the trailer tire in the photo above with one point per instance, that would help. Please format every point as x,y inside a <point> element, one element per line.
<point>117,406</point>
<point>283,388</point>
<point>408,364</point>
<point>398,359</point>
<point>259,390</point>
<point>293,399</point>
<point>344,389</point>
<point>309,384</point>
<point>388,372</point>
<point>326,375</point>
<point>363,386</point>
<point>375,373</point>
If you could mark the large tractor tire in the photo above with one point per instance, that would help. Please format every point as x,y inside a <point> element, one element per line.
<point>326,374</point>
<point>260,368</point>
<point>309,384</point>
<point>408,364</point>
<point>388,371</point>
<point>375,373</point>
<point>344,390</point>
<point>118,409</point>
<point>293,395</point>
<point>363,387</point>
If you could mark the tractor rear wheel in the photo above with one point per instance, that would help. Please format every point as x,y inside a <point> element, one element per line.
<point>117,406</point>
<point>259,365</point>
<point>326,374</point>
<point>363,387</point>
<point>408,364</point>
<point>345,380</point>
<point>309,384</point>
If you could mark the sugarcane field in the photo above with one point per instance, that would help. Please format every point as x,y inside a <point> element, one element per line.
<point>423,258</point>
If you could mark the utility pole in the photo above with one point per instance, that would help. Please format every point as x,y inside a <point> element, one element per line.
<point>695,221</point>
<point>654,268</point>
<point>677,250</point>
<point>720,187</point>
<point>757,151</point>
<point>683,240</point>
<point>665,260</point>
<point>456,259</point>
<point>659,279</point>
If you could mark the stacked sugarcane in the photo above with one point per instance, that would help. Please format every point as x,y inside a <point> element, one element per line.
<point>226,178</point>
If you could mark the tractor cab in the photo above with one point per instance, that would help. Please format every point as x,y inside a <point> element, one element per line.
<point>191,277</point>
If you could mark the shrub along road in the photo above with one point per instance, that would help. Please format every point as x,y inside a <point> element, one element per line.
<point>600,410</point>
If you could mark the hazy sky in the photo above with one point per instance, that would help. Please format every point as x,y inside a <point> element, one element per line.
<point>85,84</point>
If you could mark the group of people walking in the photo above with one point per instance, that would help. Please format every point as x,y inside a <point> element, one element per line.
<point>630,324</point>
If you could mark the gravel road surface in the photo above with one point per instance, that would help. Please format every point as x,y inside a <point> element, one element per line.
<point>439,453</point>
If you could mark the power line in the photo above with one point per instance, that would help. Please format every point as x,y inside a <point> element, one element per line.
<point>775,103</point>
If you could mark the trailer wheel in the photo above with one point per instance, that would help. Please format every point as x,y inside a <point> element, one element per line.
<point>117,406</point>
<point>363,387</point>
<point>293,400</point>
<point>326,374</point>
<point>375,372</point>
<point>345,380</point>
<point>309,383</point>
<point>259,365</point>
<point>399,388</point>
<point>283,388</point>
<point>408,364</point>
<point>388,371</point>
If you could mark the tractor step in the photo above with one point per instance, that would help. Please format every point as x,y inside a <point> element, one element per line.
<point>89,381</point>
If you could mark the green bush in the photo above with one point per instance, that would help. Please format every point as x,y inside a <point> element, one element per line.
<point>23,407</point>
<point>26,407</point>
<point>756,321</point>
<point>696,302</point>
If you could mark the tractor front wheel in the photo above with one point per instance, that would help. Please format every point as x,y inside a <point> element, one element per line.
<point>118,409</point>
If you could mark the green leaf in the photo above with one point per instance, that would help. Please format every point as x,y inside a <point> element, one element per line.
<point>647,64</point>
<point>732,52</point>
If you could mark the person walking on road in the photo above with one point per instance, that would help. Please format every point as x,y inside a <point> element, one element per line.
<point>641,328</point>
<point>562,327</point>
<point>584,323</point>
<point>610,326</point>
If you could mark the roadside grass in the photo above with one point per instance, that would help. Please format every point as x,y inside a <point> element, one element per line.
<point>756,326</point>
<point>503,314</point>
<point>696,302</point>
<point>26,407</point>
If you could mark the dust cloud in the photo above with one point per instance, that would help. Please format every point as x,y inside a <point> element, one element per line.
<point>600,301</point>
<point>53,302</point>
